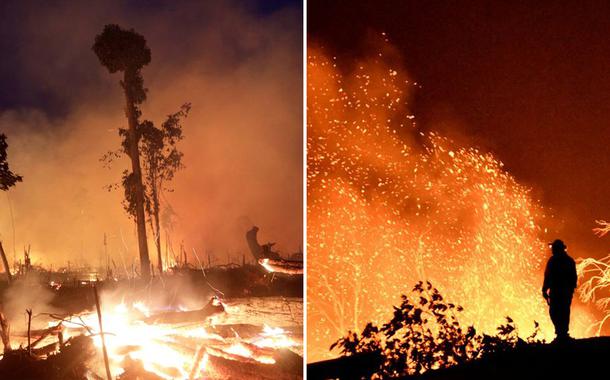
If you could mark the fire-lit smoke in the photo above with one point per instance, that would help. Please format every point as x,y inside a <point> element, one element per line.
<point>389,206</point>
<point>242,72</point>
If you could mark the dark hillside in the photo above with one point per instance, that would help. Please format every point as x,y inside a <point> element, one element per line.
<point>577,359</point>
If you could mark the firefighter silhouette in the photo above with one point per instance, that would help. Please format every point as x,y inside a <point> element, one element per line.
<point>558,288</point>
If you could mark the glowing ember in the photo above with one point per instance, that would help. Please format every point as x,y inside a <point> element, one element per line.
<point>388,206</point>
<point>274,337</point>
<point>171,351</point>
<point>265,264</point>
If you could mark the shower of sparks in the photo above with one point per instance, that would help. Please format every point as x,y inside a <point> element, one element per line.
<point>389,206</point>
<point>596,280</point>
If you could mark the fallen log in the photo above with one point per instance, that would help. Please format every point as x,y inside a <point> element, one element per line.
<point>282,266</point>
<point>220,353</point>
<point>185,341</point>
<point>37,333</point>
<point>45,350</point>
<point>288,361</point>
<point>134,370</point>
<point>259,352</point>
<point>197,362</point>
<point>212,308</point>
<point>53,330</point>
<point>245,330</point>
<point>220,367</point>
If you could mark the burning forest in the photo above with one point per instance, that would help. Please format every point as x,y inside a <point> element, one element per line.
<point>177,284</point>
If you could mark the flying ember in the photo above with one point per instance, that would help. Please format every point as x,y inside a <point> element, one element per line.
<point>390,205</point>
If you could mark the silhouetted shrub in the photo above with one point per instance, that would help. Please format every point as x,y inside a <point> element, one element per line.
<point>425,334</point>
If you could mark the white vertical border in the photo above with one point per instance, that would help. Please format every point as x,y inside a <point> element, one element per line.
<point>305,188</point>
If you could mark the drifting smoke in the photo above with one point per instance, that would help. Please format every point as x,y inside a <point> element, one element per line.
<point>389,206</point>
<point>241,71</point>
<point>27,293</point>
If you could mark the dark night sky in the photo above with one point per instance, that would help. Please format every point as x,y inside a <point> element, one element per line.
<point>529,81</point>
<point>17,90</point>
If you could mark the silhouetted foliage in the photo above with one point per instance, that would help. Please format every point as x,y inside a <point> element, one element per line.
<point>161,157</point>
<point>120,49</point>
<point>425,334</point>
<point>8,179</point>
<point>160,161</point>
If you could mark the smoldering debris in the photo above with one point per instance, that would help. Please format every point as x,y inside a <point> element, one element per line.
<point>160,342</point>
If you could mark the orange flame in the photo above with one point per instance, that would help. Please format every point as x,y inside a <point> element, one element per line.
<point>169,350</point>
<point>389,206</point>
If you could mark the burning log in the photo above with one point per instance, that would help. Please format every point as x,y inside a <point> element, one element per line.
<point>245,330</point>
<point>282,266</point>
<point>45,350</point>
<point>197,362</point>
<point>269,259</point>
<point>212,308</point>
<point>259,352</point>
<point>288,361</point>
<point>183,342</point>
<point>231,356</point>
<point>134,370</point>
<point>40,334</point>
<point>225,366</point>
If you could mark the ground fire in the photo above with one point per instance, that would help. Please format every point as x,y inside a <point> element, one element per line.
<point>236,338</point>
<point>162,329</point>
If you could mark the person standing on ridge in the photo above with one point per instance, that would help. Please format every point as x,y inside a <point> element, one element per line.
<point>559,284</point>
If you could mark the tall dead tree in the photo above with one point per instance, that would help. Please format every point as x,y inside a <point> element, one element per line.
<point>126,51</point>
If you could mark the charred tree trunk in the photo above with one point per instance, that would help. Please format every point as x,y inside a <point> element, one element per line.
<point>7,269</point>
<point>157,231</point>
<point>158,243</point>
<point>5,333</point>
<point>99,318</point>
<point>132,113</point>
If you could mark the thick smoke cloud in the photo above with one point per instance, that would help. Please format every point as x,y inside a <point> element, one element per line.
<point>242,72</point>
